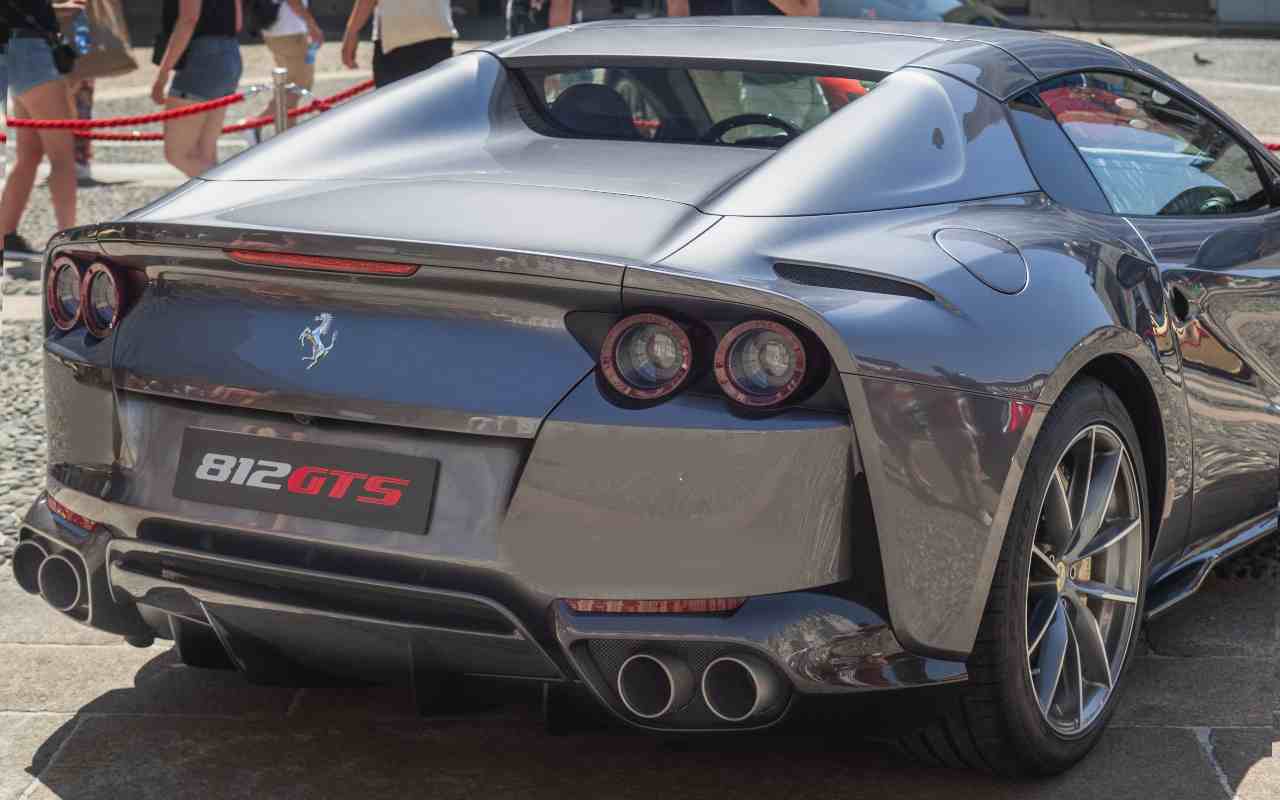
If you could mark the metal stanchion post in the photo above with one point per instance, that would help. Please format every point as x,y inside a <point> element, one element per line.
<point>280,98</point>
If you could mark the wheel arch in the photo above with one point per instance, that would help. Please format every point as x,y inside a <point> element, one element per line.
<point>1123,376</point>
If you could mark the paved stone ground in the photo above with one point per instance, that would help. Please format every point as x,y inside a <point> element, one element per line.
<point>84,716</point>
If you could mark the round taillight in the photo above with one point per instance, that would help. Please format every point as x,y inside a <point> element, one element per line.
<point>646,356</point>
<point>101,299</point>
<point>760,363</point>
<point>62,293</point>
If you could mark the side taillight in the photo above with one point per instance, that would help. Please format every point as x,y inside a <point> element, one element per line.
<point>760,363</point>
<point>102,299</point>
<point>62,293</point>
<point>646,356</point>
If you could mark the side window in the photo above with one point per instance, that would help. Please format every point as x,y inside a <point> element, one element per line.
<point>1152,153</point>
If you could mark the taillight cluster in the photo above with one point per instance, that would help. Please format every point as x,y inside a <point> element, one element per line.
<point>94,296</point>
<point>759,364</point>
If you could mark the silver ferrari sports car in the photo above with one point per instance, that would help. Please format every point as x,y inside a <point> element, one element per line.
<point>729,371</point>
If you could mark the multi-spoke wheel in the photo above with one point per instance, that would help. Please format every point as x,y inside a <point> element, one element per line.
<point>1065,602</point>
<point>1083,579</point>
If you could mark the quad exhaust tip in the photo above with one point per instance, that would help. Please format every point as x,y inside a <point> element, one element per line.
<point>742,688</point>
<point>60,584</point>
<point>27,559</point>
<point>653,685</point>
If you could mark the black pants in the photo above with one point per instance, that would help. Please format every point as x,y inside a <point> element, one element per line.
<point>408,60</point>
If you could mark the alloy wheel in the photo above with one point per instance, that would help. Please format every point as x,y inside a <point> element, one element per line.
<point>1084,579</point>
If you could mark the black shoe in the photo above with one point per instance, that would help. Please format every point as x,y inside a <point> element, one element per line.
<point>17,247</point>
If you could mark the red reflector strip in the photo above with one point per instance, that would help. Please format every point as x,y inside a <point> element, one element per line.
<point>322,263</point>
<point>70,516</point>
<point>709,605</point>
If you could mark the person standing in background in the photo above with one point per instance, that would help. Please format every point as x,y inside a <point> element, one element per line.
<point>101,38</point>
<point>529,16</point>
<point>40,91</point>
<point>82,99</point>
<point>699,8</point>
<point>293,39</point>
<point>198,47</point>
<point>797,99</point>
<point>409,36</point>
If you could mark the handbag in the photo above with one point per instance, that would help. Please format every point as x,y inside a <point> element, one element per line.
<point>64,55</point>
<point>109,54</point>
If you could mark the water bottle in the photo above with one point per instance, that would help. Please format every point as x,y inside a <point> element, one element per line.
<point>312,49</point>
<point>80,33</point>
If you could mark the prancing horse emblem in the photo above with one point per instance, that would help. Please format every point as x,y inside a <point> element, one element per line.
<point>315,337</point>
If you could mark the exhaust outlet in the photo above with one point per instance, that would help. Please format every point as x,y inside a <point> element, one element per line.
<point>742,688</point>
<point>26,566</point>
<point>653,685</point>
<point>60,584</point>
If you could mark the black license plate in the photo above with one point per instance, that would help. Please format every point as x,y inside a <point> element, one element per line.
<point>280,476</point>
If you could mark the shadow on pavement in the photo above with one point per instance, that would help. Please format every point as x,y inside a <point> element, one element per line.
<point>1195,722</point>
<point>180,731</point>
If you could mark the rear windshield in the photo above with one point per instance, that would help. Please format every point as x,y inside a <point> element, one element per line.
<point>713,106</point>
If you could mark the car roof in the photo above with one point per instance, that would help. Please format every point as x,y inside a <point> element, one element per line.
<point>1000,61</point>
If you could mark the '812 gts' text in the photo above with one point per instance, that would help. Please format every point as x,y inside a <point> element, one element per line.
<point>302,480</point>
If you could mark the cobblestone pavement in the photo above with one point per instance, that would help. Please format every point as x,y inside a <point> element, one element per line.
<point>84,716</point>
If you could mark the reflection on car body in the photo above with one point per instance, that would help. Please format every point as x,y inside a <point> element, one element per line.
<point>727,384</point>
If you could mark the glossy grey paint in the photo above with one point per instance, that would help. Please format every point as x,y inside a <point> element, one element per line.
<point>1092,291</point>
<point>681,500</point>
<point>448,138</point>
<point>992,260</point>
<point>1228,271</point>
<point>988,68</point>
<point>421,346</point>
<point>927,381</point>
<point>924,138</point>
<point>1000,61</point>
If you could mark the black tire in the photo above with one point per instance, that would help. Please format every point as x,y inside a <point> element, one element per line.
<point>995,724</point>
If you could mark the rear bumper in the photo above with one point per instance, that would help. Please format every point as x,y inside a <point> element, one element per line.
<point>272,616</point>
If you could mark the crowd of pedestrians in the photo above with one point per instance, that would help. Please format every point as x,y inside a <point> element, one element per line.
<point>52,52</point>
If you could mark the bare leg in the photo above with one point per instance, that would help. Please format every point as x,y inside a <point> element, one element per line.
<point>182,140</point>
<point>22,174</point>
<point>207,146</point>
<point>82,99</point>
<point>49,100</point>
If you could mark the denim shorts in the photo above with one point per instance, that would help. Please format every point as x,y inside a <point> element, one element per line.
<point>29,63</point>
<point>211,70</point>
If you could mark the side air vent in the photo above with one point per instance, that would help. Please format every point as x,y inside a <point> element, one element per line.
<point>847,279</point>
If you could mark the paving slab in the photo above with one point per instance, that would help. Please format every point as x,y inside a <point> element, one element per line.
<point>21,307</point>
<point>27,743</point>
<point>110,757</point>
<point>25,618</point>
<point>1251,762</point>
<point>125,680</point>
<point>1227,617</point>
<point>1200,692</point>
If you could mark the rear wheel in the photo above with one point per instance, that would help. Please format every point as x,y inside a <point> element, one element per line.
<point>1065,604</point>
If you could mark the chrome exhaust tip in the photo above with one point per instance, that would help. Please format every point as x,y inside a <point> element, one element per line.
<point>27,559</point>
<point>653,685</point>
<point>60,584</point>
<point>742,688</point>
